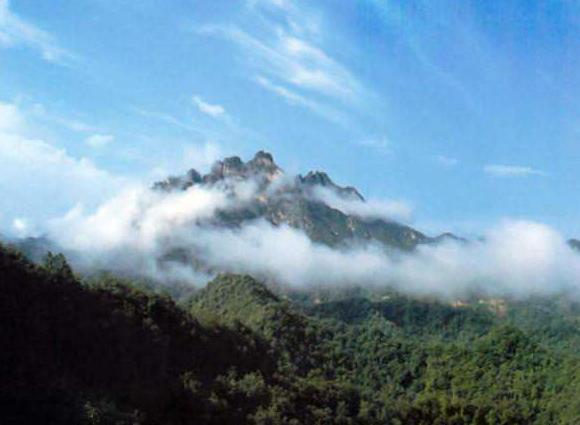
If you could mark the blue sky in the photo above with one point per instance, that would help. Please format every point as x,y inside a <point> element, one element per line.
<point>468,110</point>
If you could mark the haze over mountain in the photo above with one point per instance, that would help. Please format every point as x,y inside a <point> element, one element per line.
<point>326,212</point>
<point>108,351</point>
<point>407,254</point>
<point>252,217</point>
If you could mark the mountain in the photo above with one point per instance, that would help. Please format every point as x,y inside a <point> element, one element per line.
<point>100,349</point>
<point>108,353</point>
<point>35,248</point>
<point>574,244</point>
<point>232,298</point>
<point>280,199</point>
<point>111,353</point>
<point>313,203</point>
<point>444,237</point>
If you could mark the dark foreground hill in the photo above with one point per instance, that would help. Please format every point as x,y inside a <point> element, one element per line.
<point>109,353</point>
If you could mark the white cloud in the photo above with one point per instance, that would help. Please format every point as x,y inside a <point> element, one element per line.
<point>32,169</point>
<point>40,179</point>
<point>170,120</point>
<point>281,4</point>
<point>284,45</point>
<point>518,258</point>
<point>136,219</point>
<point>201,157</point>
<point>10,117</point>
<point>498,170</point>
<point>133,232</point>
<point>99,140</point>
<point>390,210</point>
<point>294,98</point>
<point>134,229</point>
<point>38,110</point>
<point>381,144</point>
<point>296,62</point>
<point>14,31</point>
<point>22,228</point>
<point>446,161</point>
<point>299,19</point>
<point>19,224</point>
<point>198,156</point>
<point>210,109</point>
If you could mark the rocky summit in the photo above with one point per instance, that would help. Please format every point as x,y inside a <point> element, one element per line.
<point>294,201</point>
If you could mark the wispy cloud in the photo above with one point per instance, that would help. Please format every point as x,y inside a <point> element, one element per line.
<point>169,120</point>
<point>98,141</point>
<point>499,170</point>
<point>38,110</point>
<point>204,141</point>
<point>135,230</point>
<point>446,161</point>
<point>386,209</point>
<point>43,168</point>
<point>199,156</point>
<point>294,61</point>
<point>15,31</point>
<point>284,52</point>
<point>20,226</point>
<point>213,110</point>
<point>298,18</point>
<point>10,117</point>
<point>381,144</point>
<point>294,98</point>
<point>419,24</point>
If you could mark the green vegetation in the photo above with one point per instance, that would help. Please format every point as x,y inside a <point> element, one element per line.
<point>107,351</point>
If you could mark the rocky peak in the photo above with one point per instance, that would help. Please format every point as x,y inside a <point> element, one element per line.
<point>320,178</point>
<point>193,176</point>
<point>261,166</point>
<point>574,244</point>
<point>447,236</point>
<point>263,163</point>
<point>232,166</point>
<point>264,158</point>
<point>295,203</point>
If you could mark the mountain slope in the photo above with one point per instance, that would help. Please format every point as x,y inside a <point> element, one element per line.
<point>242,299</point>
<point>113,354</point>
<point>67,347</point>
<point>282,200</point>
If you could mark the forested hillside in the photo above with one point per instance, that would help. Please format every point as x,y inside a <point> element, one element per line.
<point>109,352</point>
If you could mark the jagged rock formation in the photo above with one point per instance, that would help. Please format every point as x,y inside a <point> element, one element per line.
<point>294,202</point>
<point>445,237</point>
<point>574,244</point>
<point>321,179</point>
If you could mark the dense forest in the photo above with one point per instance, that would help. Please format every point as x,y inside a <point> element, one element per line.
<point>105,350</point>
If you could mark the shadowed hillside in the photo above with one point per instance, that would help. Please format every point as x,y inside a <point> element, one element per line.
<point>111,353</point>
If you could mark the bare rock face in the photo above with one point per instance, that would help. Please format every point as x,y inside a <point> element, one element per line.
<point>294,202</point>
<point>321,179</point>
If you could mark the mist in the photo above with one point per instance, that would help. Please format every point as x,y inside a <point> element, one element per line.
<point>386,209</point>
<point>137,231</point>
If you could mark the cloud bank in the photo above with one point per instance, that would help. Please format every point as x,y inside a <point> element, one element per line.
<point>33,170</point>
<point>164,235</point>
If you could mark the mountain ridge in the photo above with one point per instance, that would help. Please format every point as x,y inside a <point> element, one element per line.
<point>294,202</point>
